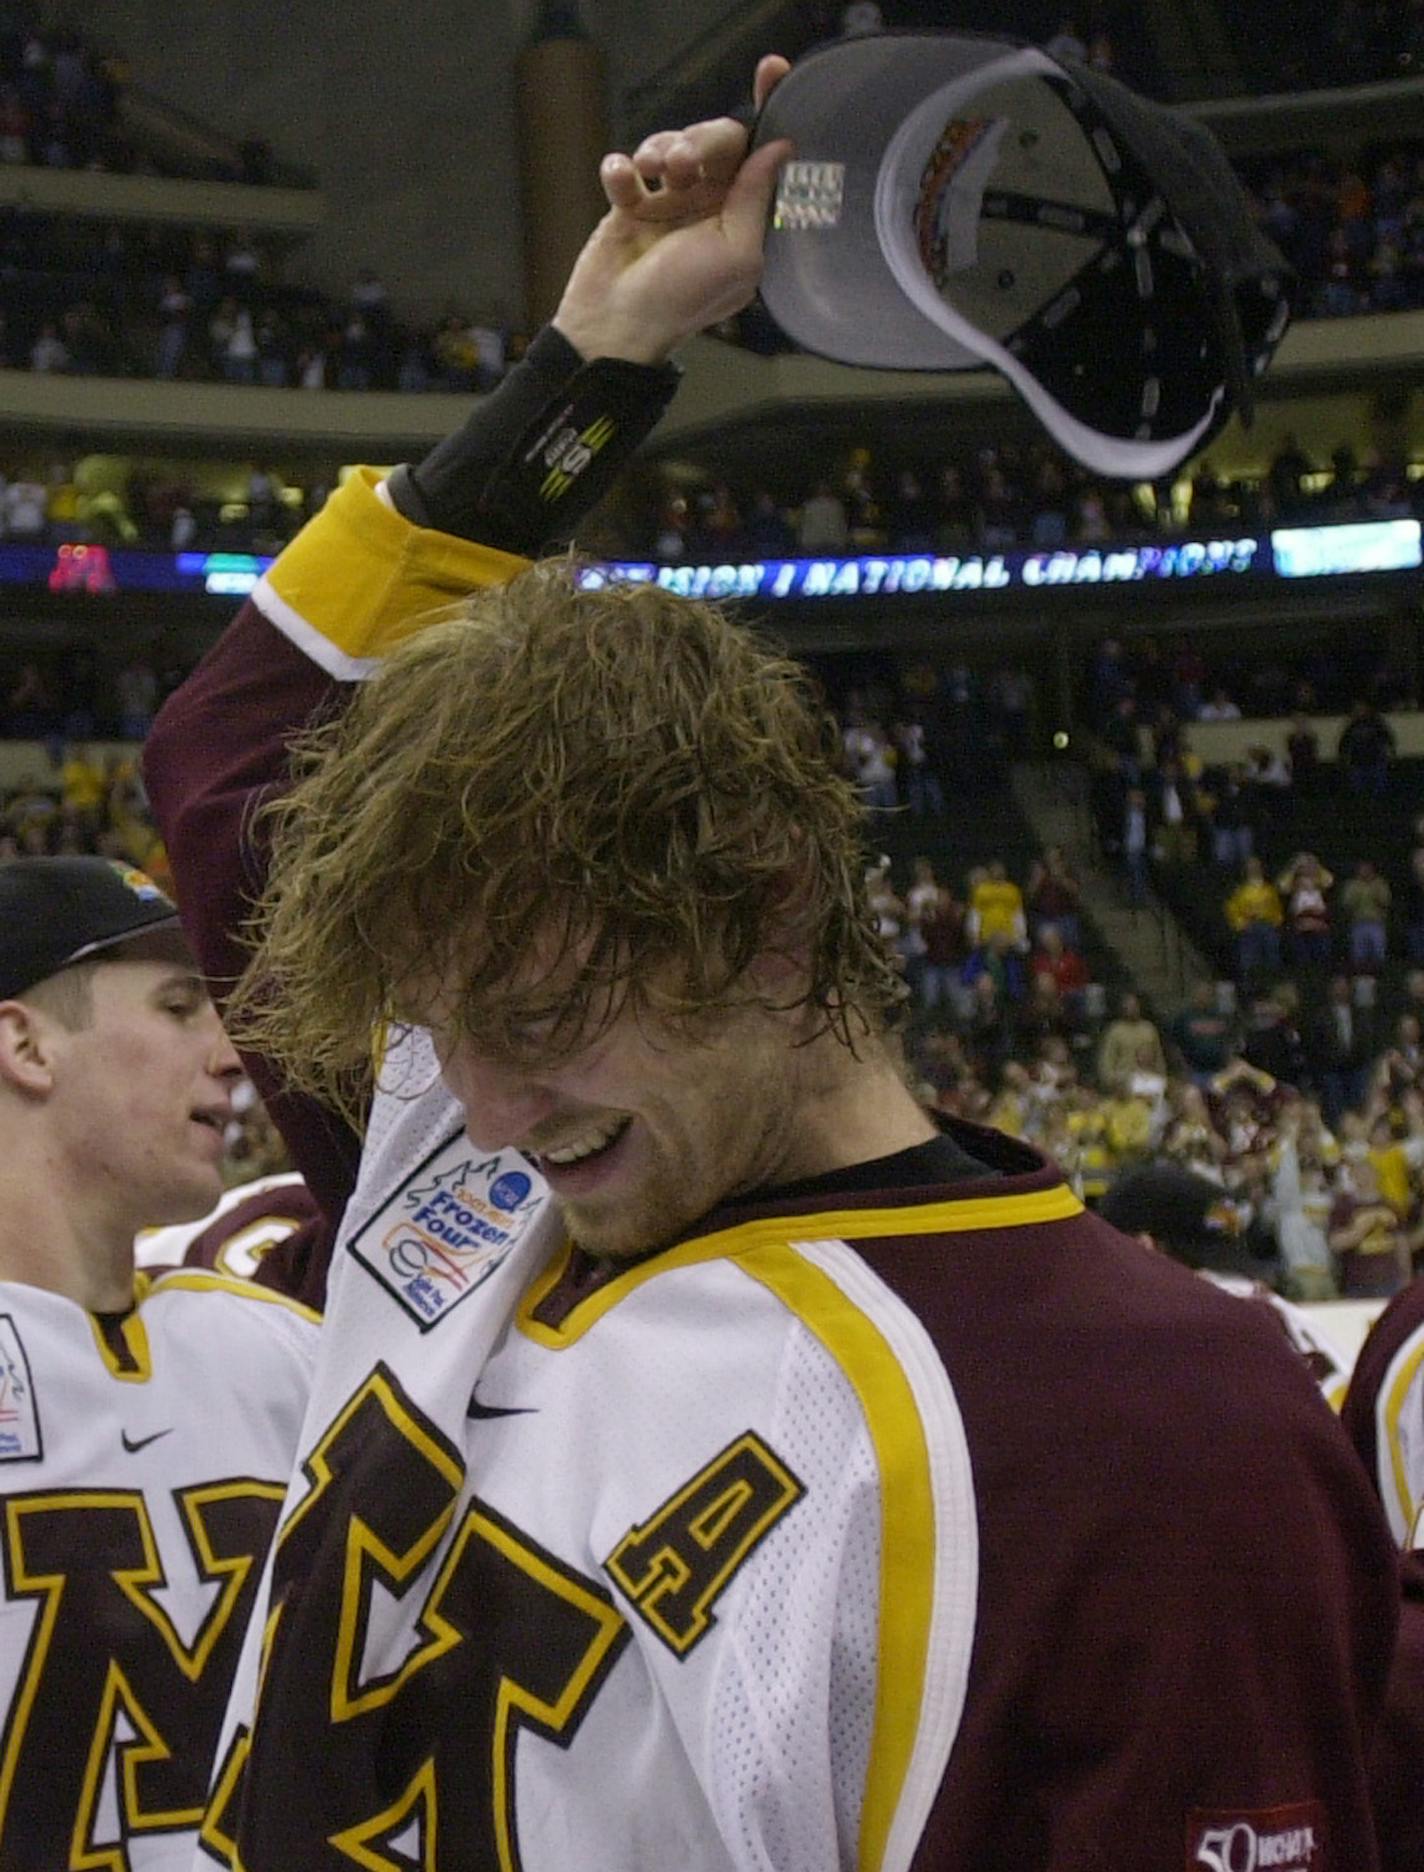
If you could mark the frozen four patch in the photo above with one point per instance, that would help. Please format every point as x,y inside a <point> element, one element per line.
<point>448,1229</point>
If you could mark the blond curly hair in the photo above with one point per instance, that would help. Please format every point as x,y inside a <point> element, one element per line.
<point>563,798</point>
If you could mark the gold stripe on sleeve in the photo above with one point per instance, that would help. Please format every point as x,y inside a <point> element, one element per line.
<point>1401,1380</point>
<point>360,577</point>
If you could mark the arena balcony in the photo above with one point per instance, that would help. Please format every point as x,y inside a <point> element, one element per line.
<point>747,402</point>
<point>99,195</point>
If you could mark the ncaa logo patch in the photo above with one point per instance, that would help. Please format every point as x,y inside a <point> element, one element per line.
<point>19,1417</point>
<point>442,1236</point>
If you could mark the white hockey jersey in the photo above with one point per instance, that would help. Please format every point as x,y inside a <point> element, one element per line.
<point>859,1530</point>
<point>691,1569</point>
<point>493,1462</point>
<point>143,1458</point>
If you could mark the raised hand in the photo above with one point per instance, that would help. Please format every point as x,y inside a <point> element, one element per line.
<point>681,244</point>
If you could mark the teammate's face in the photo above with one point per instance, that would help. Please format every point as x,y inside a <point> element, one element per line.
<point>142,1093</point>
<point>647,1130</point>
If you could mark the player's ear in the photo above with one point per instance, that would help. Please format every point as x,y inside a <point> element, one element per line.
<point>27,1049</point>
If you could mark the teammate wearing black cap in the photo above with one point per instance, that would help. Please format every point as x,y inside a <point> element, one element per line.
<point>710,1463</point>
<point>147,1424</point>
<point>115,1072</point>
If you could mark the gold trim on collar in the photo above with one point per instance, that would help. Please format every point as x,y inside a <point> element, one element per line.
<point>123,1339</point>
<point>1057,1204</point>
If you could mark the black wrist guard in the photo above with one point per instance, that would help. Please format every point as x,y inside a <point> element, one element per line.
<point>539,452</point>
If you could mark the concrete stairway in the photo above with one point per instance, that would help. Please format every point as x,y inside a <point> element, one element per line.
<point>1148,941</point>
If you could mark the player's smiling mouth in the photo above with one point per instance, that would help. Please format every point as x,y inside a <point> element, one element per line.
<point>585,1149</point>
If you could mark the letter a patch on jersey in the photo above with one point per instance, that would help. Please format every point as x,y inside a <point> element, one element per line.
<point>19,1416</point>
<point>676,1565</point>
<point>1273,1839</point>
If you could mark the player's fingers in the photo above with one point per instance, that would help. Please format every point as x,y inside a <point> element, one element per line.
<point>625,189</point>
<point>769,73</point>
<point>650,157</point>
<point>707,152</point>
<point>622,185</point>
<point>748,200</point>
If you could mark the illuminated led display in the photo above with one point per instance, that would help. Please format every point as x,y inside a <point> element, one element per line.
<point>1289,552</point>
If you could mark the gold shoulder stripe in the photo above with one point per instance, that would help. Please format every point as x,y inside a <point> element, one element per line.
<point>937,1218</point>
<point>205,1280</point>
<point>361,577</point>
<point>907,1518</point>
<point>1401,1380</point>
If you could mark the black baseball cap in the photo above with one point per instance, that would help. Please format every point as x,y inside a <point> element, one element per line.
<point>58,911</point>
<point>1188,1216</point>
<point>958,201</point>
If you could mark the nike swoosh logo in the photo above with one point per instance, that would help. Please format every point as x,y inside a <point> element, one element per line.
<point>477,1410</point>
<point>142,1442</point>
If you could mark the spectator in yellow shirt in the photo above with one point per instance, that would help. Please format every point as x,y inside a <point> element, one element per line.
<point>1086,1129</point>
<point>1395,1160</point>
<point>1128,1042</point>
<point>1365,899</point>
<point>996,905</point>
<point>1009,1109</point>
<point>1254,912</point>
<point>84,788</point>
<point>1127,1124</point>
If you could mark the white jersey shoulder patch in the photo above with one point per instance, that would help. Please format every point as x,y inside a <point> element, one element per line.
<point>444,1232</point>
<point>20,1439</point>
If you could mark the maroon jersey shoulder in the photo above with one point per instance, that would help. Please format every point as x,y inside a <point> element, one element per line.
<point>1187,1593</point>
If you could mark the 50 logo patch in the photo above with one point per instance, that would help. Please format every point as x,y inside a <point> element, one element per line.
<point>1276,1839</point>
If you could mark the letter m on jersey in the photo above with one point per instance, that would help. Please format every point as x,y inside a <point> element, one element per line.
<point>108,1680</point>
<point>675,1566</point>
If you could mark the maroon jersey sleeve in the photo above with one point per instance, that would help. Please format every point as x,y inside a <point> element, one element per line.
<point>1155,1701</point>
<point>1187,1596</point>
<point>216,751</point>
<point>1398,1764</point>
